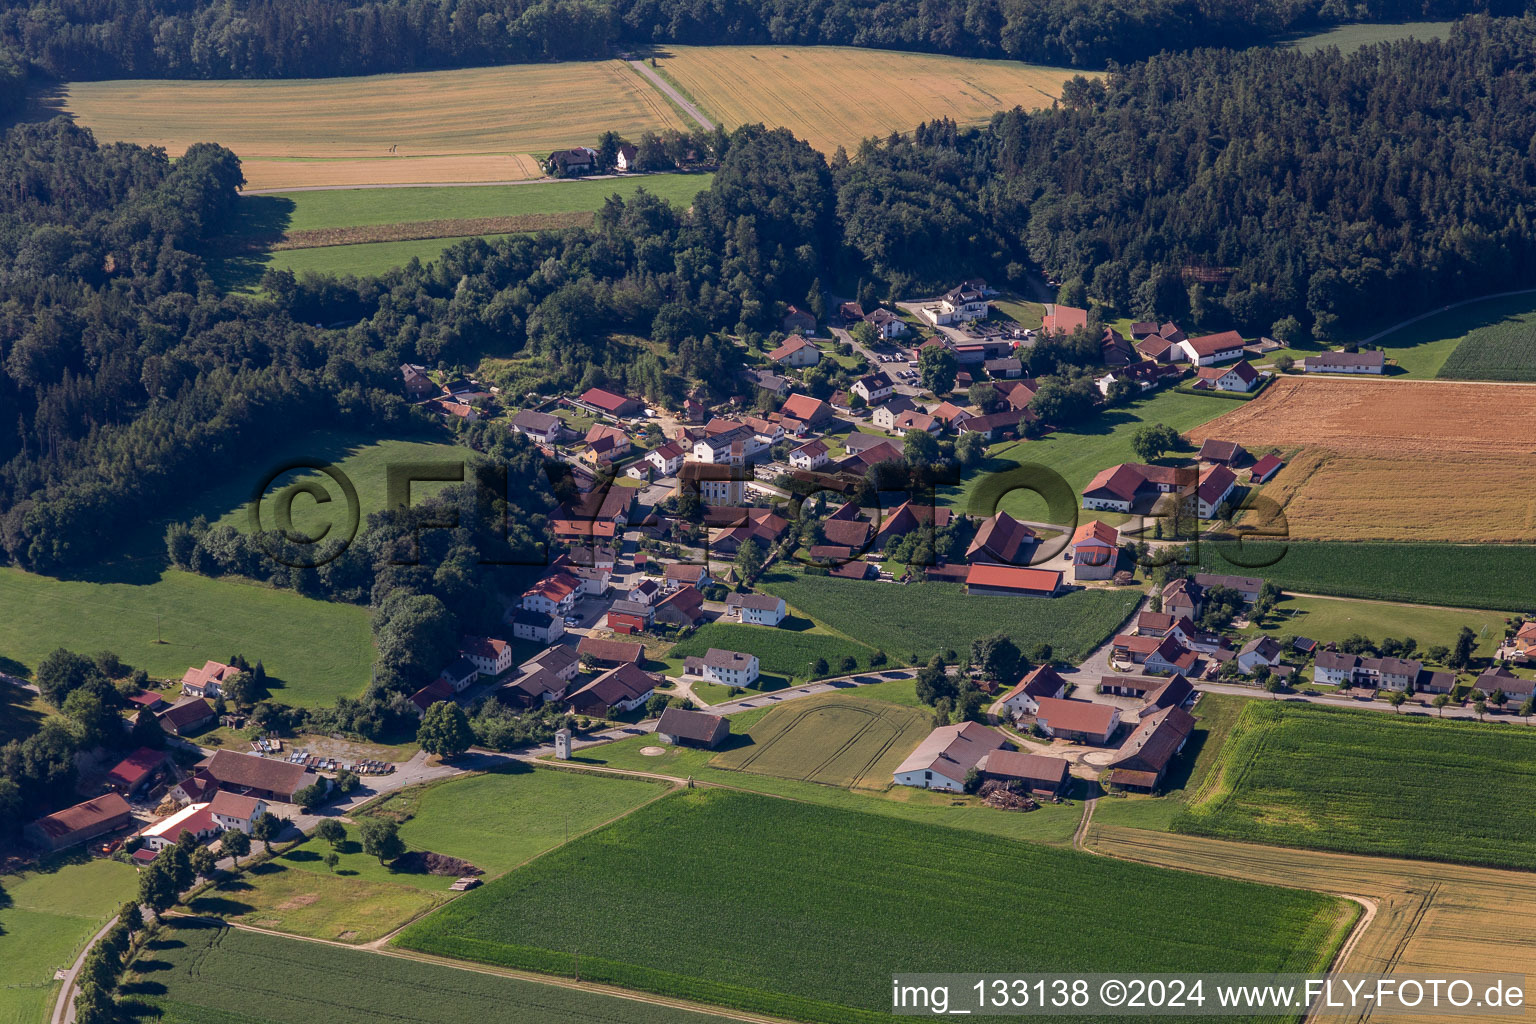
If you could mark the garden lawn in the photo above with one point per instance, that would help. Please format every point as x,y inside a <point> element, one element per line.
<point>46,917</point>
<point>1077,454</point>
<point>1373,783</point>
<point>780,651</point>
<point>1325,618</point>
<point>920,619</point>
<point>316,650</point>
<point>198,973</point>
<point>1460,576</point>
<point>877,897</point>
<point>1215,715</point>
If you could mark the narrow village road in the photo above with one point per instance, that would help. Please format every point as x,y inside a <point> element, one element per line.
<point>64,1006</point>
<point>672,94</point>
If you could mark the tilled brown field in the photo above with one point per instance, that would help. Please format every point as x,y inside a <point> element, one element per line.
<point>1420,460</point>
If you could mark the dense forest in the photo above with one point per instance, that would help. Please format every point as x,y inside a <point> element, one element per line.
<point>75,39</point>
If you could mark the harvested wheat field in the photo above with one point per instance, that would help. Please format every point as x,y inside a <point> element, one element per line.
<point>506,111</point>
<point>1422,919</point>
<point>836,95</point>
<point>277,174</point>
<point>1413,460</point>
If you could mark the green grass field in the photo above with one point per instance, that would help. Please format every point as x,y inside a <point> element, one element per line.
<point>780,651</point>
<point>46,917</point>
<point>925,618</point>
<point>362,259</point>
<point>495,821</point>
<point>275,213</point>
<point>1077,454</point>
<point>1494,576</point>
<point>1352,37</point>
<point>316,650</point>
<point>1368,782</point>
<point>198,973</point>
<point>1324,619</point>
<point>834,741</point>
<point>1214,717</point>
<point>844,901</point>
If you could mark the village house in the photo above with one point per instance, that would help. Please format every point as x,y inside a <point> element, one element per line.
<point>1499,678</point>
<point>1216,485</point>
<point>1095,551</point>
<point>1209,349</point>
<point>1114,350</point>
<point>1118,488</point>
<point>961,304</point>
<point>565,163</point>
<point>946,757</point>
<point>874,388</point>
<point>1265,469</point>
<point>207,681</point>
<point>682,607</point>
<point>886,324</point>
<point>885,415</point>
<point>667,458</point>
<point>1335,668</point>
<point>811,455</point>
<point>682,728</point>
<point>417,383</point>
<point>1006,367</point>
<point>796,352</point>
<point>812,412</point>
<point>1023,699</point>
<point>775,384</point>
<point>555,594</point>
<point>797,321</point>
<point>622,688</point>
<point>756,609</point>
<point>1374,361</point>
<point>609,404</point>
<point>609,653</point>
<point>231,810</point>
<point>624,160</point>
<point>1248,587</point>
<point>540,426</point>
<point>1240,377</point>
<point>490,655</point>
<point>1261,650</point>
<point>1001,539</point>
<point>193,819</point>
<point>1012,579</point>
<point>712,484</point>
<point>1181,597</point>
<point>459,674</point>
<point>686,574</point>
<point>1064,319</point>
<point>1081,720</point>
<point>1143,759</point>
<point>533,689</point>
<point>187,717</point>
<point>134,773</point>
<point>560,661</point>
<point>726,668</point>
<point>1041,775</point>
<point>734,447</point>
<point>629,617</point>
<point>540,627</point>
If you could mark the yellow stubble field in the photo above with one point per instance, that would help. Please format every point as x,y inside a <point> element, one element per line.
<point>1395,460</point>
<point>836,95</point>
<point>479,124</point>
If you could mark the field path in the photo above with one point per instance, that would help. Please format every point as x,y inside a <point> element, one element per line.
<point>64,1006</point>
<point>1081,834</point>
<point>672,94</point>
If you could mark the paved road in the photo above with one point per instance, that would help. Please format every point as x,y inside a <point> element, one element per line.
<point>672,94</point>
<point>64,1006</point>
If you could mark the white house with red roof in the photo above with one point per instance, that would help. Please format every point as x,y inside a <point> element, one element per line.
<point>1094,551</point>
<point>1240,377</point>
<point>796,352</point>
<point>555,594</point>
<point>490,655</point>
<point>667,459</point>
<point>1216,484</point>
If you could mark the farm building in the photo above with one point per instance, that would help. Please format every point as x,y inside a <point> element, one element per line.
<point>1146,754</point>
<point>609,653</point>
<point>608,403</point>
<point>1064,319</point>
<point>1024,698</point>
<point>1209,349</point>
<point>1012,579</point>
<point>559,660</point>
<point>1094,551</point>
<point>1045,776</point>
<point>1118,488</point>
<point>1265,469</point>
<point>757,609</point>
<point>1247,586</point>
<point>946,757</point>
<point>193,818</point>
<point>619,689</point>
<point>727,668</point>
<point>812,412</point>
<point>683,573</point>
<point>682,607</point>
<point>797,321</point>
<point>186,717</point>
<point>533,689</point>
<point>84,821</point>
<point>1216,484</point>
<point>692,728</point>
<point>1001,539</point>
<point>134,772</point>
<point>1346,362</point>
<point>262,777</point>
<point>1226,453</point>
<point>1080,720</point>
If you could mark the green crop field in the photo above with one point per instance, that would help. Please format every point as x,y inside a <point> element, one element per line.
<point>925,618</point>
<point>46,917</point>
<point>199,973</point>
<point>1328,618</point>
<point>1495,576</point>
<point>1368,782</point>
<point>780,651</point>
<point>871,898</point>
<point>315,650</point>
<point>1498,340</point>
<point>1077,454</point>
<point>836,741</point>
<point>362,259</point>
<point>1352,37</point>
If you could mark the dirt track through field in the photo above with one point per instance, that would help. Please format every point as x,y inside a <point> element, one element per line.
<point>1410,460</point>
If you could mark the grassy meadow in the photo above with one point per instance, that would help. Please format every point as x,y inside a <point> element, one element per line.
<point>1459,576</point>
<point>783,652</point>
<point>1327,619</point>
<point>1368,782</point>
<point>296,126</point>
<point>836,95</point>
<point>201,973</point>
<point>1077,454</point>
<point>46,917</point>
<point>1353,37</point>
<point>833,741</point>
<point>877,897</point>
<point>495,821</point>
<point>919,620</point>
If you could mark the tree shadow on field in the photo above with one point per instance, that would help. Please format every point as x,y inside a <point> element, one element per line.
<point>219,906</point>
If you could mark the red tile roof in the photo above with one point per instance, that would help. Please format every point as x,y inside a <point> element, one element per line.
<point>131,770</point>
<point>1210,344</point>
<point>1013,577</point>
<point>1075,715</point>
